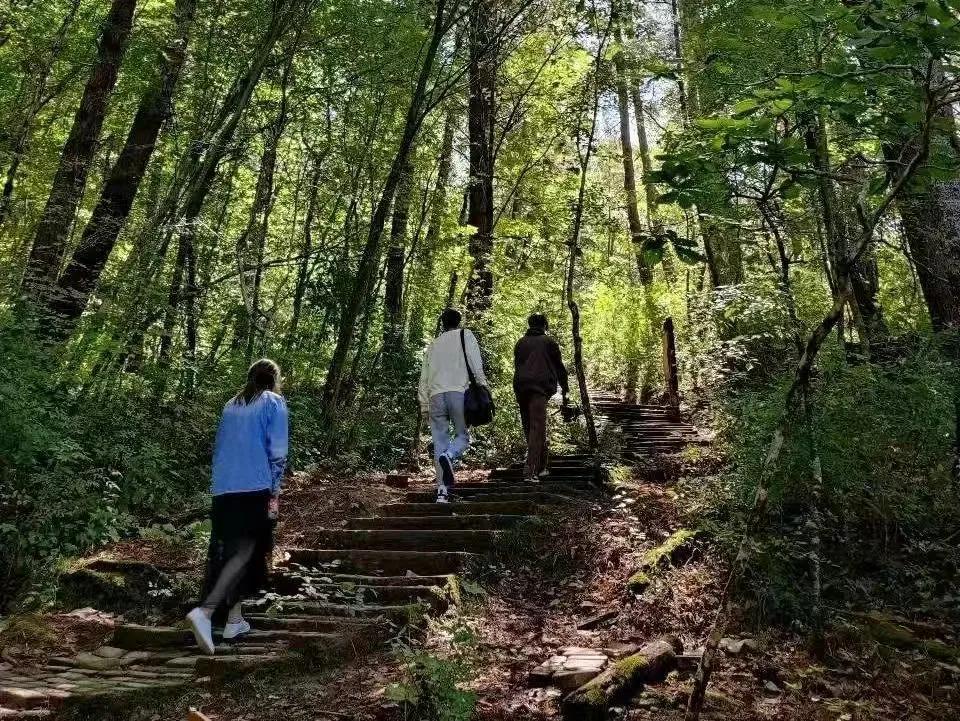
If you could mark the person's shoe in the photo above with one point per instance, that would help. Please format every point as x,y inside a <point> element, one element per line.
<point>544,473</point>
<point>202,630</point>
<point>533,479</point>
<point>446,470</point>
<point>235,628</point>
<point>442,495</point>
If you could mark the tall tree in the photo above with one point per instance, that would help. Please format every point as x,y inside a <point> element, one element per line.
<point>71,176</point>
<point>120,190</point>
<point>480,127</point>
<point>421,103</point>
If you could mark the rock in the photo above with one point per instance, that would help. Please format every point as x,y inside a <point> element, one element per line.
<point>96,663</point>
<point>20,698</point>
<point>738,646</point>
<point>771,687</point>
<point>109,652</point>
<point>194,715</point>
<point>598,620</point>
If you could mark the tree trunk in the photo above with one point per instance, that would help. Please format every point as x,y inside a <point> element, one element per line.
<point>369,259</point>
<point>71,176</point>
<point>438,209</point>
<point>303,272</point>
<point>202,173</point>
<point>118,194</point>
<point>480,121</point>
<point>931,221</point>
<point>637,231</point>
<point>396,258</point>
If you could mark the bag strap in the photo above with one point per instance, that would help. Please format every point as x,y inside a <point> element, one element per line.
<point>466,358</point>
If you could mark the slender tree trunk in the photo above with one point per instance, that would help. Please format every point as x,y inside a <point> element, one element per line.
<point>396,258</point>
<point>118,194</point>
<point>71,176</point>
<point>480,123</point>
<point>569,288</point>
<point>303,272</point>
<point>203,170</point>
<point>369,259</point>
<point>637,231</point>
<point>438,210</point>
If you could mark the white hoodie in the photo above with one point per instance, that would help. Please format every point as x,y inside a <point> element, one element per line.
<point>444,368</point>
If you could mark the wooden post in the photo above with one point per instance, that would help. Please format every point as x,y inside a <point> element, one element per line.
<point>670,364</point>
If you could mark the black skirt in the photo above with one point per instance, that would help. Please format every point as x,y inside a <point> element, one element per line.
<point>238,518</point>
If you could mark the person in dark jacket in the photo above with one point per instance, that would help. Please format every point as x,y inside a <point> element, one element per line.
<point>538,370</point>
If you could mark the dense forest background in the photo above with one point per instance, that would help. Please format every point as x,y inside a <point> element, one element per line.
<point>190,184</point>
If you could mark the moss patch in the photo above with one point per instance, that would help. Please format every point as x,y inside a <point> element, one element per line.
<point>676,548</point>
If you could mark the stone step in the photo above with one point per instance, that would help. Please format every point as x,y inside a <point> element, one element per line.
<point>472,521</point>
<point>474,541</point>
<point>423,563</point>
<point>520,508</point>
<point>518,477</point>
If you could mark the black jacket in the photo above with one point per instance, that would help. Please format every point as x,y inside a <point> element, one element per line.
<point>538,365</point>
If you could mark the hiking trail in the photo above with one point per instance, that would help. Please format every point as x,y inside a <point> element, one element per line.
<point>349,592</point>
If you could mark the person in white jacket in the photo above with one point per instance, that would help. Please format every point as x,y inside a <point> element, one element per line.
<point>443,383</point>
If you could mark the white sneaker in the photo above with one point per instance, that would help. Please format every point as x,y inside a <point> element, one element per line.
<point>545,473</point>
<point>202,630</point>
<point>533,479</point>
<point>442,495</point>
<point>236,628</point>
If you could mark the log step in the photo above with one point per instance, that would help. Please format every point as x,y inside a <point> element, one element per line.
<point>520,508</point>
<point>319,576</point>
<point>392,562</point>
<point>403,540</point>
<point>434,523</point>
<point>398,613</point>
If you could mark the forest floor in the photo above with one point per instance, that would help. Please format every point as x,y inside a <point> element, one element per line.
<point>529,602</point>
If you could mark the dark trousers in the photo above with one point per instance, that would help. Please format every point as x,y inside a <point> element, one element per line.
<point>533,415</point>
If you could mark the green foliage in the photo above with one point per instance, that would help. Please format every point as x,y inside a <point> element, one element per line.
<point>431,687</point>
<point>885,461</point>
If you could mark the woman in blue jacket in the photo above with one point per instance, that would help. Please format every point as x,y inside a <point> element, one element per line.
<point>248,463</point>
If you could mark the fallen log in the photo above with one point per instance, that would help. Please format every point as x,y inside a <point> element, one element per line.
<point>622,679</point>
<point>676,549</point>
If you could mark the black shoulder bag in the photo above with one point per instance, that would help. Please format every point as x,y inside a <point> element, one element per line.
<point>477,401</point>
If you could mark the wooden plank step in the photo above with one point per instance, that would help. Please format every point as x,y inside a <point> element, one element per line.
<point>471,521</point>
<point>459,509</point>
<point>389,562</point>
<point>474,541</point>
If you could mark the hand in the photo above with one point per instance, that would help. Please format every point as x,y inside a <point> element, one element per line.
<point>273,508</point>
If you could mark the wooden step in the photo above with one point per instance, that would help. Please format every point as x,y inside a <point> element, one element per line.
<point>319,576</point>
<point>379,595</point>
<point>388,562</point>
<point>533,492</point>
<point>325,624</point>
<point>397,613</point>
<point>474,541</point>
<point>435,523</point>
<point>520,508</point>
